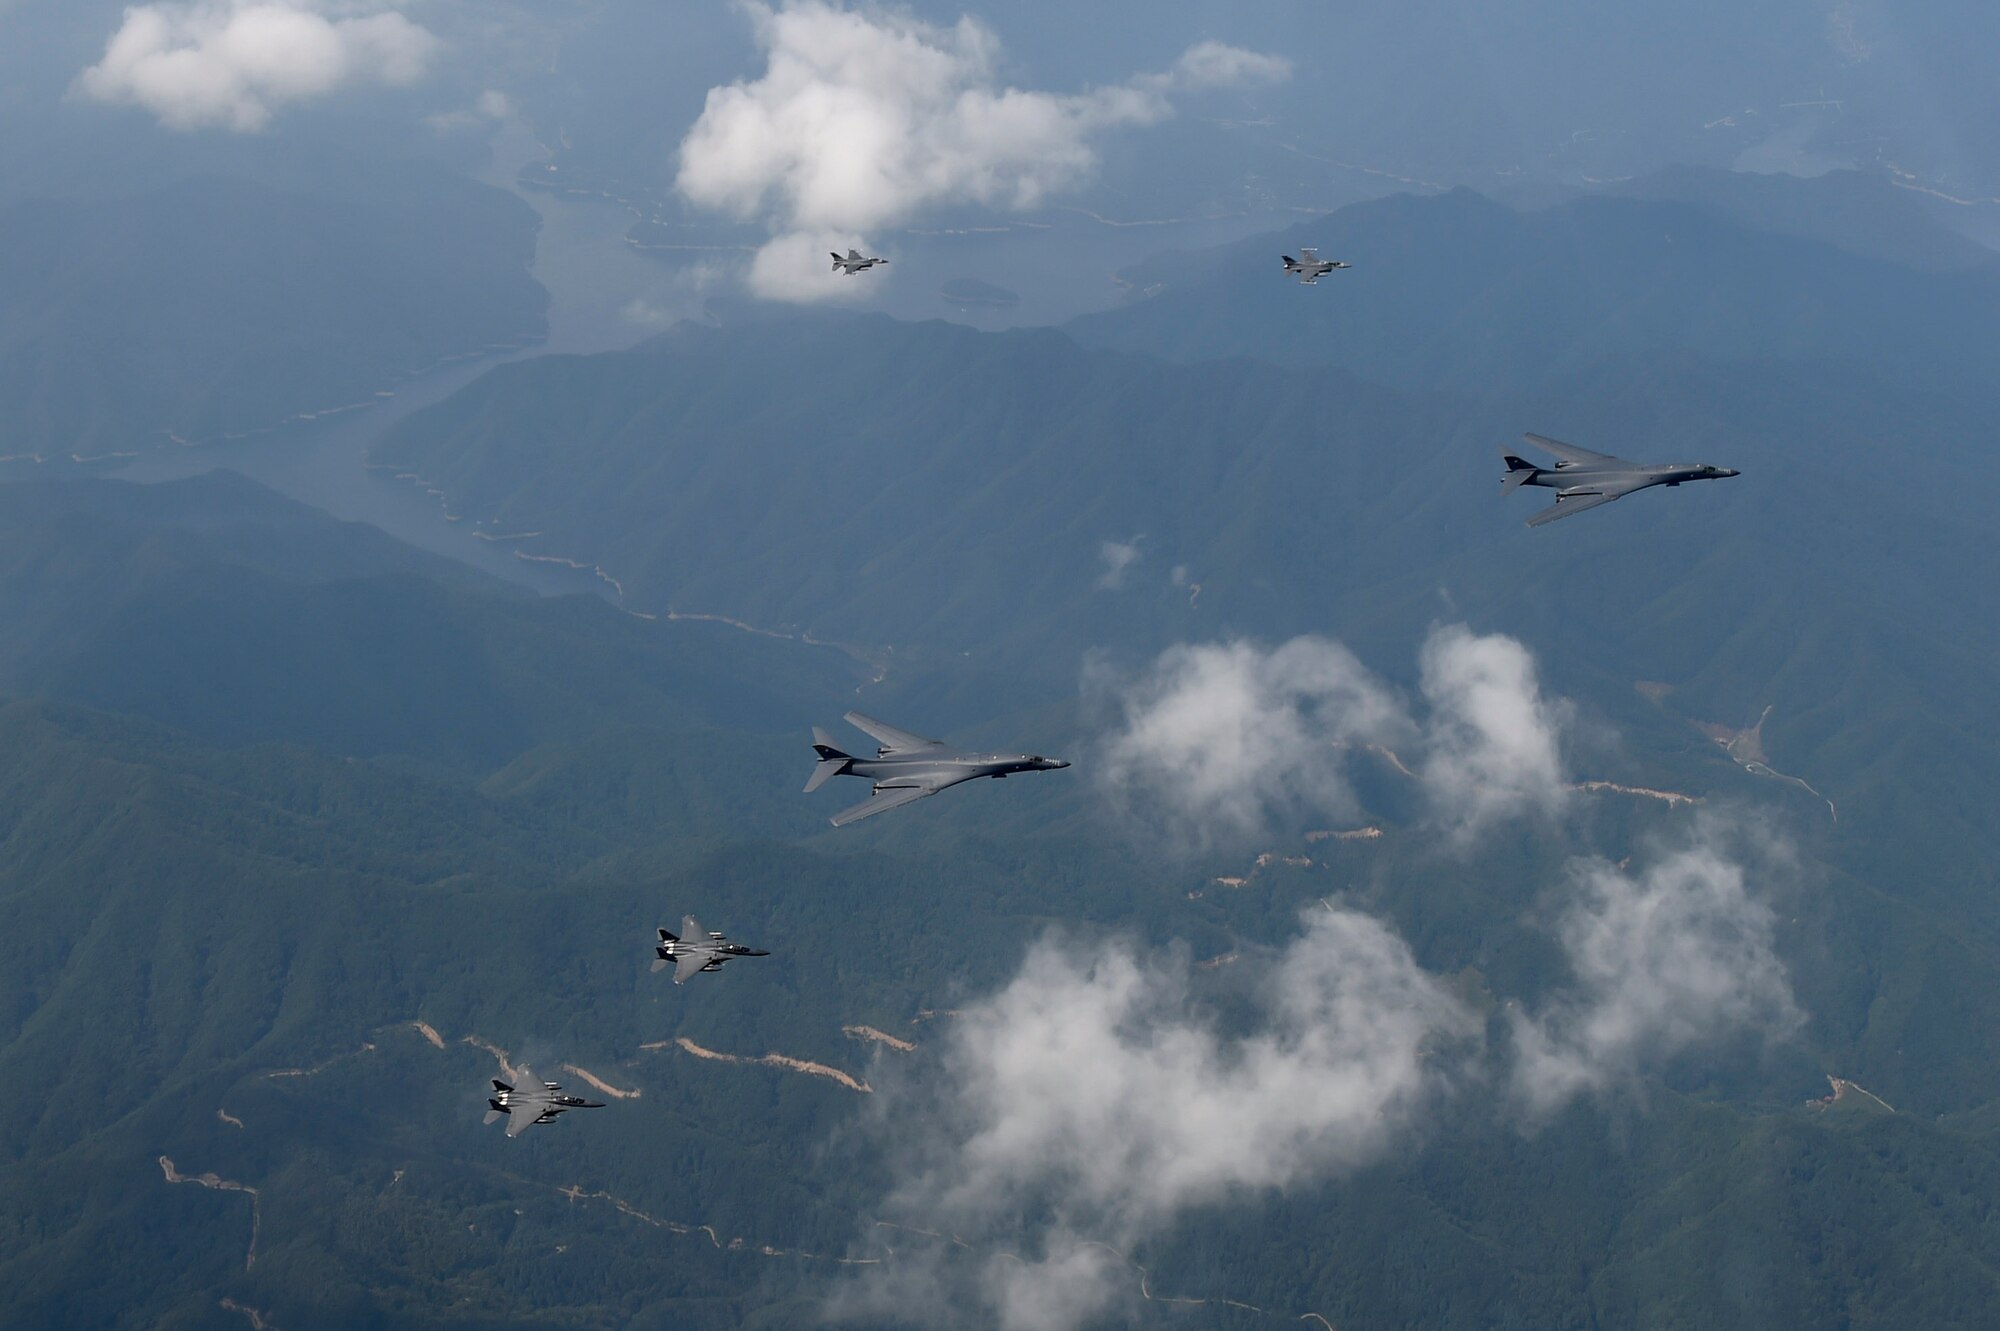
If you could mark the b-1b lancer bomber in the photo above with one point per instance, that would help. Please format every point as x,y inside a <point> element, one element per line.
<point>1310,267</point>
<point>1583,479</point>
<point>854,263</point>
<point>695,952</point>
<point>529,1102</point>
<point>907,767</point>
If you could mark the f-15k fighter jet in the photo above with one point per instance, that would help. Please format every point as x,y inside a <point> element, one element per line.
<point>908,767</point>
<point>529,1102</point>
<point>1583,479</point>
<point>1310,267</point>
<point>854,263</point>
<point>695,952</point>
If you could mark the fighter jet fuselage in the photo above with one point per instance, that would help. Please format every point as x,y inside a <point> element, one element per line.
<point>855,262</point>
<point>695,950</point>
<point>1309,267</point>
<point>528,1101</point>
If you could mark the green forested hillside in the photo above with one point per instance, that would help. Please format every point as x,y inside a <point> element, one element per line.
<point>216,937</point>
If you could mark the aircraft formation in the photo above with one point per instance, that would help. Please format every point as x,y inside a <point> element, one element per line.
<point>907,767</point>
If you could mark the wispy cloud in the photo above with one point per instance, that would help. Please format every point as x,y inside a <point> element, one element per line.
<point>1664,957</point>
<point>1492,742</point>
<point>233,63</point>
<point>865,117</point>
<point>1117,556</point>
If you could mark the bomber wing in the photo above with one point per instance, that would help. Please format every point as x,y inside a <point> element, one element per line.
<point>883,800</point>
<point>892,740</point>
<point>1575,456</point>
<point>1573,502</point>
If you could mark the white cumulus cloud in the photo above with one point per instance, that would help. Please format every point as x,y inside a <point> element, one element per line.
<point>1493,743</point>
<point>1091,1102</point>
<point>233,63</point>
<point>1665,957</point>
<point>1095,1101</point>
<point>865,117</point>
<point>1222,739</point>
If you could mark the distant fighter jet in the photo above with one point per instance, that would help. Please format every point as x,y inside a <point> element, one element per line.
<point>530,1102</point>
<point>854,263</point>
<point>908,767</point>
<point>695,952</point>
<point>1310,267</point>
<point>1583,479</point>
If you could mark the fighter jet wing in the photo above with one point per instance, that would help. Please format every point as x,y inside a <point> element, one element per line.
<point>891,797</point>
<point>1309,255</point>
<point>1571,453</point>
<point>681,973</point>
<point>1576,502</point>
<point>891,739</point>
<point>523,1109</point>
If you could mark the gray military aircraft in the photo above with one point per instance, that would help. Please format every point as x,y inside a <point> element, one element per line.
<point>695,952</point>
<point>1583,479</point>
<point>529,1102</point>
<point>908,767</point>
<point>854,263</point>
<point>1310,267</point>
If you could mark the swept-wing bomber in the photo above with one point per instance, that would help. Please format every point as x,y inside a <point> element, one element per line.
<point>855,262</point>
<point>1310,267</point>
<point>694,952</point>
<point>1584,480</point>
<point>527,1102</point>
<point>908,767</point>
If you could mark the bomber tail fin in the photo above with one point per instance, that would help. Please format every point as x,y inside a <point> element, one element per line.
<point>1519,473</point>
<point>833,760</point>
